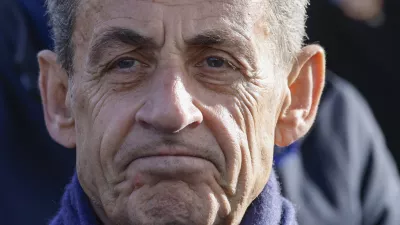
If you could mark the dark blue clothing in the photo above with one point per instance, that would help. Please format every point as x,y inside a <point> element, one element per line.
<point>269,208</point>
<point>365,55</point>
<point>342,172</point>
<point>75,207</point>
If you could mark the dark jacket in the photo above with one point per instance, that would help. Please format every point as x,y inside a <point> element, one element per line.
<point>366,56</point>
<point>343,173</point>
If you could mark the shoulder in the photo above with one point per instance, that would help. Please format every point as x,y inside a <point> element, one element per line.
<point>344,118</point>
<point>343,163</point>
<point>345,133</point>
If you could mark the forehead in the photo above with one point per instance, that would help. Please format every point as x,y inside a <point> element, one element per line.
<point>154,18</point>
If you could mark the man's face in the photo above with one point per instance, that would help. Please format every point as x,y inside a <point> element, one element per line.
<point>175,106</point>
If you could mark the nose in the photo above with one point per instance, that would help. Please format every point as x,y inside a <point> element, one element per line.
<point>169,107</point>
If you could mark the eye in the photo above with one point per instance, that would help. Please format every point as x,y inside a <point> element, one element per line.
<point>215,62</point>
<point>127,65</point>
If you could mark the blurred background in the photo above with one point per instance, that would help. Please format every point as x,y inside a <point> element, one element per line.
<point>362,42</point>
<point>361,38</point>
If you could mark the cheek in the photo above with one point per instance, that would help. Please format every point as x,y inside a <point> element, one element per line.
<point>102,120</point>
<point>228,135</point>
<point>103,113</point>
<point>243,126</point>
<point>255,113</point>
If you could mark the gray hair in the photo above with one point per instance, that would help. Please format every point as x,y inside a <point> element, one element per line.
<point>286,23</point>
<point>62,15</point>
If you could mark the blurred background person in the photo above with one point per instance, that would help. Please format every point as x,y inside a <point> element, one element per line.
<point>342,171</point>
<point>362,10</point>
<point>362,41</point>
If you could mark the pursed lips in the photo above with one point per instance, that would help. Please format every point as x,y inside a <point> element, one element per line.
<point>171,151</point>
<point>175,152</point>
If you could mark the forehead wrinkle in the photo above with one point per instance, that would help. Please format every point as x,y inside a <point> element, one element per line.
<point>234,25</point>
<point>184,2</point>
<point>93,15</point>
<point>100,25</point>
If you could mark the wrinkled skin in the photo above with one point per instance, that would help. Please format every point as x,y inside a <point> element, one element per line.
<point>171,128</point>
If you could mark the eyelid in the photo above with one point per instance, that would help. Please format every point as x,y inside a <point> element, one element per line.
<point>228,62</point>
<point>206,53</point>
<point>113,63</point>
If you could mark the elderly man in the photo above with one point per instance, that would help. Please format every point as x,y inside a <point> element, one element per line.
<point>174,107</point>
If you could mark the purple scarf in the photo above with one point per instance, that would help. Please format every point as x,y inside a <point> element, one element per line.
<point>269,208</point>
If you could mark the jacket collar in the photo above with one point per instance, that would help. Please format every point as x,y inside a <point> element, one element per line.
<point>269,208</point>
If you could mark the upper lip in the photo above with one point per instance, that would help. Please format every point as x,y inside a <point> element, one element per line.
<point>169,154</point>
<point>174,151</point>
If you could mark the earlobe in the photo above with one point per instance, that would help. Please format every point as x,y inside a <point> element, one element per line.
<point>305,85</point>
<point>53,85</point>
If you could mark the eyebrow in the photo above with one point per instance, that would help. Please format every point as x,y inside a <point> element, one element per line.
<point>216,37</point>
<point>115,36</point>
<point>228,39</point>
<point>208,38</point>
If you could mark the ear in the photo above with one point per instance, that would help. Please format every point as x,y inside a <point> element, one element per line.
<point>305,84</point>
<point>53,84</point>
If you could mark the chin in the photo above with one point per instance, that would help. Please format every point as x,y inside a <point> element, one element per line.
<point>172,202</point>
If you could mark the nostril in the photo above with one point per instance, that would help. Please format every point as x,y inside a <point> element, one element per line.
<point>194,124</point>
<point>145,125</point>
